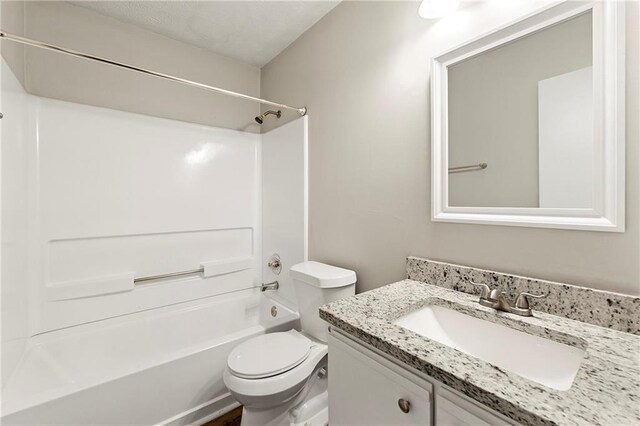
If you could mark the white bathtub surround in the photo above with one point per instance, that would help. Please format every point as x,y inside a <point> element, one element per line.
<point>15,226</point>
<point>606,309</point>
<point>102,199</point>
<point>123,195</point>
<point>284,201</point>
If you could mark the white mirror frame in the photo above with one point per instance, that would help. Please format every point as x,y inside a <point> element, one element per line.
<point>609,118</point>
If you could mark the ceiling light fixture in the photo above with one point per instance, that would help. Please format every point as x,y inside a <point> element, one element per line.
<point>434,9</point>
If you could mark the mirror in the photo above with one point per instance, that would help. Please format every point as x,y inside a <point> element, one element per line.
<point>528,123</point>
<point>525,110</point>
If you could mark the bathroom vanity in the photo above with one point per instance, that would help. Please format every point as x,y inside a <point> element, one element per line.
<point>368,388</point>
<point>419,353</point>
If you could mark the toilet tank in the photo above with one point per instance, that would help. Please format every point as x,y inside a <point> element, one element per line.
<point>315,285</point>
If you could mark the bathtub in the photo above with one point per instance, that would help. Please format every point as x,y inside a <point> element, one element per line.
<point>155,367</point>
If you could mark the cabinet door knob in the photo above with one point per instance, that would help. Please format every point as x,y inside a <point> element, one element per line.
<point>405,406</point>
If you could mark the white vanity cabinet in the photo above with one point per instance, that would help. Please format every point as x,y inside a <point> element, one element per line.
<point>364,391</point>
<point>455,410</point>
<point>366,388</point>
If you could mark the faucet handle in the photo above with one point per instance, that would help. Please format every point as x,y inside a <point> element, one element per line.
<point>485,290</point>
<point>522,300</point>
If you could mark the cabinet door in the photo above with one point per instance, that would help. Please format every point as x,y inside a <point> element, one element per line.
<point>454,410</point>
<point>362,391</point>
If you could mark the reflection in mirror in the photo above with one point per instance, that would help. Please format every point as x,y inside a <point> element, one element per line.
<point>524,110</point>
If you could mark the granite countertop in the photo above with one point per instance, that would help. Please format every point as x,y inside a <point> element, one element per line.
<point>606,389</point>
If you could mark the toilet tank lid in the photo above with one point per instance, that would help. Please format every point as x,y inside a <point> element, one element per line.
<point>322,275</point>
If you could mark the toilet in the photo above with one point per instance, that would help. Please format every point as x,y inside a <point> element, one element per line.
<point>281,378</point>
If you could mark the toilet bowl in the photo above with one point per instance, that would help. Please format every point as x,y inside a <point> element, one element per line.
<point>281,378</point>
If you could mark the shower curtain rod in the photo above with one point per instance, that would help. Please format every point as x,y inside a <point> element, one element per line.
<point>47,46</point>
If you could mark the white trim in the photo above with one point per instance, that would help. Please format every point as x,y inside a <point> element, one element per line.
<point>305,144</point>
<point>608,213</point>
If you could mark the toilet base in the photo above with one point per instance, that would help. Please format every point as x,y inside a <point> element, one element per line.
<point>308,408</point>
<point>314,413</point>
<point>319,419</point>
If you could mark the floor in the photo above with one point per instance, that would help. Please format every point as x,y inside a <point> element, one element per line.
<point>232,418</point>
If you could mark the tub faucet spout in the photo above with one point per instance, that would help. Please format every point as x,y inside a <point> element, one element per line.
<point>270,286</point>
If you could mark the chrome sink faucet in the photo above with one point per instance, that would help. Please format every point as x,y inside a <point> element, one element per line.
<point>496,299</point>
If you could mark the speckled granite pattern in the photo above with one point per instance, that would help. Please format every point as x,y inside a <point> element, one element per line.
<point>606,390</point>
<point>606,309</point>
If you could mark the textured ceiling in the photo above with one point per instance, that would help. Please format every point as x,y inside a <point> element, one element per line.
<point>251,31</point>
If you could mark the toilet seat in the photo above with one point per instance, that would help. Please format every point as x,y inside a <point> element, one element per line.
<point>269,355</point>
<point>285,382</point>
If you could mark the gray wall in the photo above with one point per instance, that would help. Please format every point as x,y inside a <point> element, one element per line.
<point>62,77</point>
<point>363,72</point>
<point>12,20</point>
<point>493,113</point>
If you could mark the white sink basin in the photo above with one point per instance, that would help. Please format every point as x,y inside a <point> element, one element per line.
<point>544,361</point>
